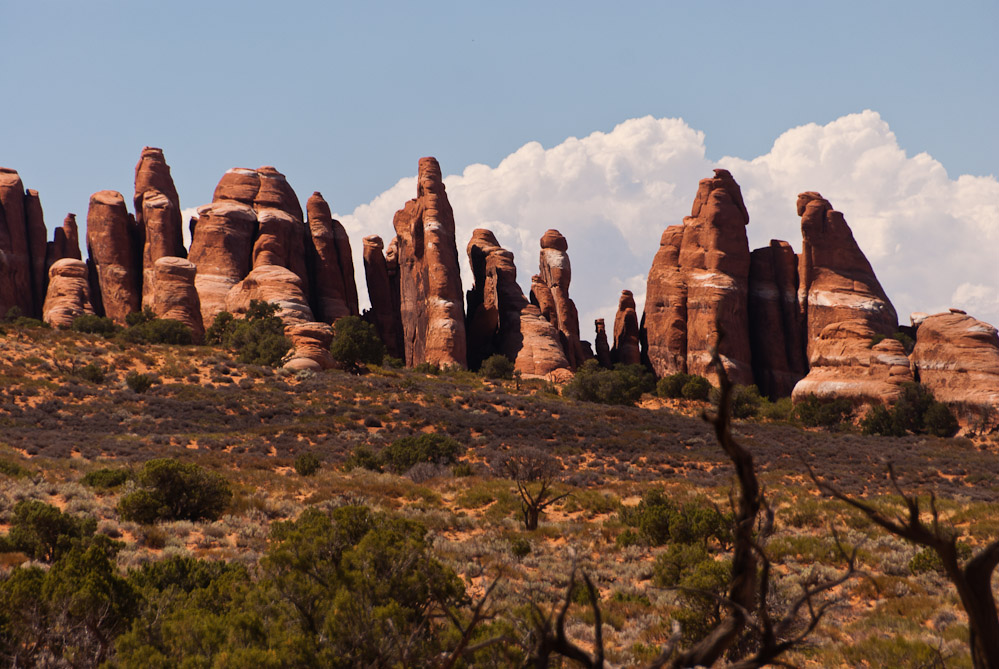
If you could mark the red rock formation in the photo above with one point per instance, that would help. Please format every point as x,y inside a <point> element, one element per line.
<point>626,350</point>
<point>274,284</point>
<point>311,346</point>
<point>845,365</point>
<point>221,247</point>
<point>65,243</point>
<point>698,285</point>
<point>500,318</point>
<point>239,184</point>
<point>276,193</point>
<point>161,231</point>
<point>957,358</point>
<point>37,234</point>
<point>384,313</point>
<point>109,245</point>
<point>836,282</point>
<point>334,291</point>
<point>776,333</point>
<point>68,293</point>
<point>541,296</point>
<point>175,296</point>
<point>281,241</point>
<point>429,278</point>
<point>153,174</point>
<point>556,274</point>
<point>603,349</point>
<point>16,273</point>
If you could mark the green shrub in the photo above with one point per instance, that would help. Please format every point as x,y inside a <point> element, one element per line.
<point>356,343</point>
<point>91,324</point>
<point>622,385</point>
<point>174,490</point>
<point>12,469</point>
<point>497,366</point>
<point>427,368</point>
<point>105,479</point>
<point>781,410</point>
<point>881,421</point>
<point>915,411</point>
<point>462,470</point>
<point>672,386</point>
<point>145,328</point>
<point>435,448</point>
<point>928,560</point>
<point>660,520</point>
<point>363,458</point>
<point>307,464</point>
<point>813,411</point>
<point>939,421</point>
<point>43,532</point>
<point>91,372</point>
<point>138,382</point>
<point>677,563</point>
<point>257,339</point>
<point>746,401</point>
<point>912,405</point>
<point>520,547</point>
<point>696,388</point>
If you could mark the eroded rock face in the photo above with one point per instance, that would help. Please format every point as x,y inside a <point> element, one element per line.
<point>281,241</point>
<point>957,358</point>
<point>17,272</point>
<point>383,293</point>
<point>221,247</point>
<point>311,342</point>
<point>160,221</point>
<point>500,318</point>
<point>626,349</point>
<point>836,282</point>
<point>776,333</point>
<point>603,349</point>
<point>334,290</point>
<point>153,174</point>
<point>844,364</point>
<point>431,299</point>
<point>698,284</point>
<point>175,295</point>
<point>65,242</point>
<point>274,284</point>
<point>68,294</point>
<point>37,243</point>
<point>556,274</point>
<point>111,250</point>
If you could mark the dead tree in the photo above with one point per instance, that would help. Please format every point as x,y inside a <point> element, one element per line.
<point>746,603</point>
<point>534,472</point>
<point>973,580</point>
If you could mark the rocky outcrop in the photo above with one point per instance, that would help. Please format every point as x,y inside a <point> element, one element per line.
<point>175,296</point>
<point>221,247</point>
<point>111,250</point>
<point>152,174</point>
<point>836,282</point>
<point>334,293</point>
<point>383,293</point>
<point>626,350</point>
<point>698,286</point>
<point>556,274</point>
<point>776,334</point>
<point>311,346</point>
<point>22,246</point>
<point>500,318</point>
<point>842,309</point>
<point>603,349</point>
<point>65,243</point>
<point>281,241</point>
<point>844,364</point>
<point>541,296</point>
<point>161,230</point>
<point>68,294</point>
<point>274,284</point>
<point>431,301</point>
<point>957,358</point>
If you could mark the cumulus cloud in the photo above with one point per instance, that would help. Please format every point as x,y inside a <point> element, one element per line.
<point>933,240</point>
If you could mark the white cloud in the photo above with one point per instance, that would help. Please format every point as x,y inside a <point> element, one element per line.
<point>933,241</point>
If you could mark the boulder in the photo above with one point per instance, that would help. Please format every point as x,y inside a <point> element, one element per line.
<point>836,282</point>
<point>221,247</point>
<point>431,301</point>
<point>698,286</point>
<point>334,291</point>
<point>111,250</point>
<point>276,285</point>
<point>175,295</point>
<point>556,274</point>
<point>384,296</point>
<point>626,349</point>
<point>68,294</point>
<point>603,349</point>
<point>844,364</point>
<point>776,333</point>
<point>311,346</point>
<point>957,358</point>
<point>502,320</point>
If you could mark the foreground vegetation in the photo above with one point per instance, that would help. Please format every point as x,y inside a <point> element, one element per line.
<point>307,480</point>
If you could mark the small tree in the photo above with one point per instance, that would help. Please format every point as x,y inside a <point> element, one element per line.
<point>258,339</point>
<point>497,366</point>
<point>356,343</point>
<point>534,472</point>
<point>176,490</point>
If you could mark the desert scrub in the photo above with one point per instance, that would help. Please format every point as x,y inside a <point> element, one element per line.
<point>174,490</point>
<point>307,464</point>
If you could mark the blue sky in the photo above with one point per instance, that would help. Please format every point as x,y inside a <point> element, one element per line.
<point>344,98</point>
